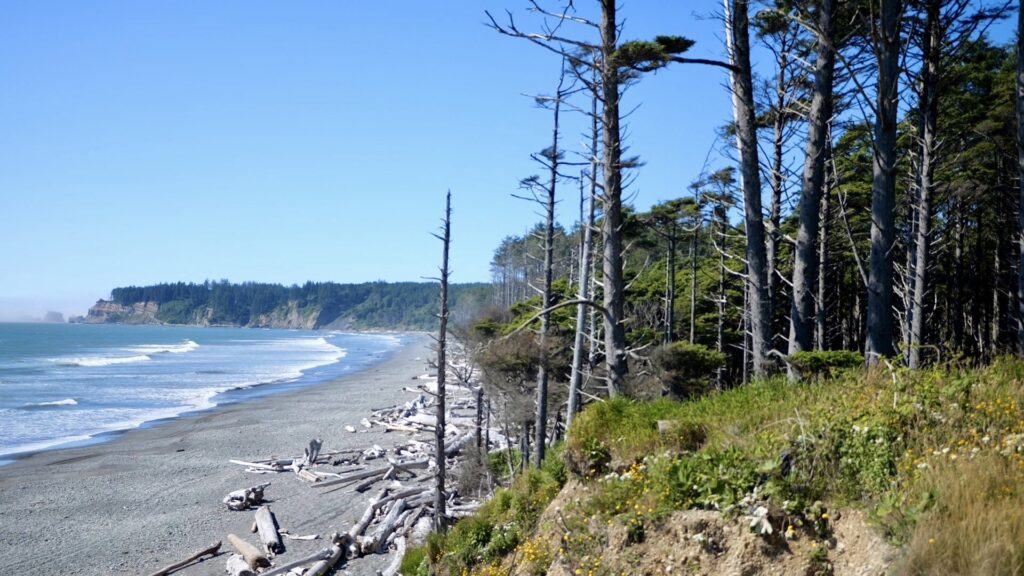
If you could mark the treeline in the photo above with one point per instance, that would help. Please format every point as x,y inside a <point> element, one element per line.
<point>868,202</point>
<point>409,305</point>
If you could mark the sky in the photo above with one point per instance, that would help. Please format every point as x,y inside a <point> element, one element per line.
<point>145,141</point>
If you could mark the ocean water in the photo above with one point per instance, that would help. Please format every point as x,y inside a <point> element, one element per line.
<point>68,384</point>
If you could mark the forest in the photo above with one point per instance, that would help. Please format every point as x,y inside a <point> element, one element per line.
<point>402,305</point>
<point>826,325</point>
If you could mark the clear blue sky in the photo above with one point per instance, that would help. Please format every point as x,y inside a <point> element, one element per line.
<point>145,141</point>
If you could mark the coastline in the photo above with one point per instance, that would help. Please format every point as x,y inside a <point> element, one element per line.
<point>152,495</point>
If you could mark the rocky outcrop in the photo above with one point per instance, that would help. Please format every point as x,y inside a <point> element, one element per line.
<point>289,316</point>
<point>107,312</point>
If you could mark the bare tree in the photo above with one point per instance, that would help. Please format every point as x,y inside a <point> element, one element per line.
<point>442,365</point>
<point>544,194</point>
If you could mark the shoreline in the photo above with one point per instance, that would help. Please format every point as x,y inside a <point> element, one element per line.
<point>243,393</point>
<point>152,495</point>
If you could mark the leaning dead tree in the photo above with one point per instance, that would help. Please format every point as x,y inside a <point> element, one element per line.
<point>439,425</point>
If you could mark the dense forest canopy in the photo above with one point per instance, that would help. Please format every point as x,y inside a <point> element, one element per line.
<point>410,305</point>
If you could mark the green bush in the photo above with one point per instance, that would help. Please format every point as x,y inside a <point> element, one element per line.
<point>686,369</point>
<point>827,363</point>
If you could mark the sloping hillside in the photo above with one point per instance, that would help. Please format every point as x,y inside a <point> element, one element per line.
<point>889,472</point>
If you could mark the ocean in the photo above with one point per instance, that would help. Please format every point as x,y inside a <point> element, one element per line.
<point>67,385</point>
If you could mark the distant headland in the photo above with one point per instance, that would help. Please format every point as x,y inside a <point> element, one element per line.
<point>313,305</point>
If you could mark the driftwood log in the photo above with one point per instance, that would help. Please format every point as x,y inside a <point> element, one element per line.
<point>246,497</point>
<point>266,524</point>
<point>285,568</point>
<point>341,543</point>
<point>396,563</point>
<point>312,452</point>
<point>253,557</point>
<point>210,550</point>
<point>237,566</point>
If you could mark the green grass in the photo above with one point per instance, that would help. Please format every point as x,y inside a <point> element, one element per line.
<point>928,454</point>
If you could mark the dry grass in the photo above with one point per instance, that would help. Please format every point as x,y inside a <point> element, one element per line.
<point>977,527</point>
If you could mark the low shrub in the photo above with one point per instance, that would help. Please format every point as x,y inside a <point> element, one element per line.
<point>825,363</point>
<point>686,369</point>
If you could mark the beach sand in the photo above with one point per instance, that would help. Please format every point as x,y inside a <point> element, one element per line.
<point>152,496</point>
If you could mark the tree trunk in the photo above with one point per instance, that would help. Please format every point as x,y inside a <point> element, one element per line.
<point>820,304</point>
<point>611,229</point>
<point>583,289</point>
<point>1020,170</point>
<point>775,210</point>
<point>805,265</point>
<point>442,364</point>
<point>746,141</point>
<point>693,267</point>
<point>929,104</point>
<point>670,292</point>
<point>879,342</point>
<point>541,425</point>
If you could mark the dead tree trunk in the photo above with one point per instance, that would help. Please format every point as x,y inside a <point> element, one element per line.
<point>805,265</point>
<point>442,364</point>
<point>583,288</point>
<point>552,157</point>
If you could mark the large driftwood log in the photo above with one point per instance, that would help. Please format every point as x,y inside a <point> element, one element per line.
<point>367,517</point>
<point>256,465</point>
<point>211,550</point>
<point>396,563</point>
<point>321,567</point>
<point>237,566</point>
<point>376,541</point>
<point>253,557</point>
<point>285,568</point>
<point>456,446</point>
<point>266,524</point>
<point>350,477</point>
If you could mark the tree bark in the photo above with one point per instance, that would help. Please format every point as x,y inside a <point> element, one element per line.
<point>611,229</point>
<point>442,364</point>
<point>583,288</point>
<point>541,425</point>
<point>879,342</point>
<point>805,265</point>
<point>929,104</point>
<point>746,141</point>
<point>1020,170</point>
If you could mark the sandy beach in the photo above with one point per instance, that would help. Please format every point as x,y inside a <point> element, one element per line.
<point>152,496</point>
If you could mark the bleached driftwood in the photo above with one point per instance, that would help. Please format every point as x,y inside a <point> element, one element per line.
<point>253,557</point>
<point>312,452</point>
<point>237,566</point>
<point>341,542</point>
<point>260,466</point>
<point>375,542</point>
<point>285,568</point>
<point>396,563</point>
<point>351,477</point>
<point>246,497</point>
<point>266,524</point>
<point>210,550</point>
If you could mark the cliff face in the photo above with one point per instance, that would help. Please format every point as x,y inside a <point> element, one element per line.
<point>289,316</point>
<point>106,312</point>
